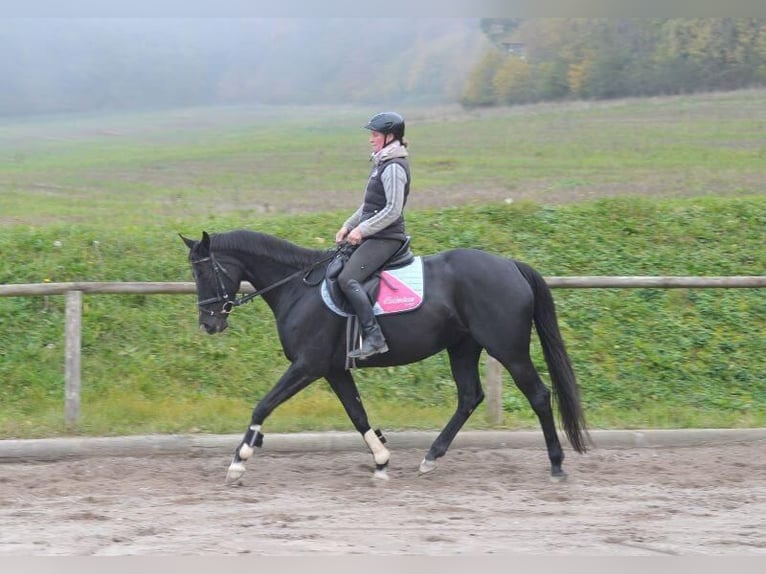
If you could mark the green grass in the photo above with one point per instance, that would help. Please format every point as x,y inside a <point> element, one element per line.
<point>644,357</point>
<point>154,168</point>
<point>103,198</point>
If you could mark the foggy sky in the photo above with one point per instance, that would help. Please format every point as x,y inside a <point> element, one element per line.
<point>59,65</point>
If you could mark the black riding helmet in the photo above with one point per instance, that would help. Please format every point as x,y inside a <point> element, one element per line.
<point>387,123</point>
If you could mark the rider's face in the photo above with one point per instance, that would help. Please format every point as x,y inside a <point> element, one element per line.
<point>377,141</point>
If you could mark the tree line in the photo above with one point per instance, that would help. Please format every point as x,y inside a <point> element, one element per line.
<point>70,65</point>
<point>555,59</point>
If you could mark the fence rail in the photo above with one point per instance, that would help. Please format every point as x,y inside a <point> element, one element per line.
<point>493,372</point>
<point>584,282</point>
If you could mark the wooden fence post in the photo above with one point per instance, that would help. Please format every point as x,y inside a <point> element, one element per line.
<point>73,334</point>
<point>493,390</point>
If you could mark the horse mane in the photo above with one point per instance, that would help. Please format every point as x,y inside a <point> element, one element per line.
<point>264,245</point>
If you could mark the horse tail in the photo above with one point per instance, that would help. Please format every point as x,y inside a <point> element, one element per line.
<point>566,390</point>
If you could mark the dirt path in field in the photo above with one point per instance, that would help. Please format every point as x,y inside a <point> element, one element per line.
<point>640,501</point>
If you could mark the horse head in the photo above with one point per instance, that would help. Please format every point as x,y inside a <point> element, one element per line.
<point>217,284</point>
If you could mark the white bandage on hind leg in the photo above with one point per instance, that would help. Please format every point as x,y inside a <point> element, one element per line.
<point>379,452</point>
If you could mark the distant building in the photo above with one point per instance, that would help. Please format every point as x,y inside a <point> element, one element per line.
<point>500,32</point>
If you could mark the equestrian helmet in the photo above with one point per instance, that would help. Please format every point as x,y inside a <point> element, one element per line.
<point>387,123</point>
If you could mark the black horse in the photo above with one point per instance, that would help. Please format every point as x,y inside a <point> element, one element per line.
<point>473,301</point>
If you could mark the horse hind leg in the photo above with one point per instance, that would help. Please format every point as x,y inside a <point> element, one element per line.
<point>528,381</point>
<point>464,362</point>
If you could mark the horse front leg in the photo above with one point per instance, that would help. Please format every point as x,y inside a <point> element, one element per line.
<point>342,383</point>
<point>292,381</point>
<point>253,438</point>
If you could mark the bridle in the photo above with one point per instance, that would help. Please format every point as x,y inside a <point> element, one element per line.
<point>222,295</point>
<point>228,302</point>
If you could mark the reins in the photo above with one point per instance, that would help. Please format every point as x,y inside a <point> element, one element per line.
<point>306,271</point>
<point>223,295</point>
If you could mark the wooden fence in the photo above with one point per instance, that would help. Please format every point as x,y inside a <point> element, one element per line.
<point>493,373</point>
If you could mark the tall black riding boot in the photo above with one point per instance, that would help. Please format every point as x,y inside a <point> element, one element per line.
<point>373,341</point>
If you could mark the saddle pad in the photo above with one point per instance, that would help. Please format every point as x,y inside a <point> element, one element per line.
<point>400,290</point>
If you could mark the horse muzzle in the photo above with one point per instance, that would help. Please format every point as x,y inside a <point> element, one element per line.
<point>213,325</point>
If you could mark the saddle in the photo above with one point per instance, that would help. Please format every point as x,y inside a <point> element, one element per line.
<point>401,258</point>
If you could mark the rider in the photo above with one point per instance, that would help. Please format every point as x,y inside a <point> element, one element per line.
<point>377,227</point>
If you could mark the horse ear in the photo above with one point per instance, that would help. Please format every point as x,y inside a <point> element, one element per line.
<point>205,240</point>
<point>189,242</point>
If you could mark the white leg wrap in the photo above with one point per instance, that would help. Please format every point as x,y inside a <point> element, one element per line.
<point>379,452</point>
<point>246,451</point>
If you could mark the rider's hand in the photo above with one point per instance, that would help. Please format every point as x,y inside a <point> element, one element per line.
<point>341,235</point>
<point>355,236</point>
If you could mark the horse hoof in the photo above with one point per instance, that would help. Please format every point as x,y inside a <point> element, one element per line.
<point>380,474</point>
<point>427,466</point>
<point>558,476</point>
<point>235,472</point>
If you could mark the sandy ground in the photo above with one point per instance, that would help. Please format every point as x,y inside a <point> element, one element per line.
<point>640,501</point>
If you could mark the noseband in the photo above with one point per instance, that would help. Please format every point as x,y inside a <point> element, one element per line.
<point>229,302</point>
<point>222,295</point>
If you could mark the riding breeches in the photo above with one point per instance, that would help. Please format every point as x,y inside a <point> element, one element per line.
<point>366,259</point>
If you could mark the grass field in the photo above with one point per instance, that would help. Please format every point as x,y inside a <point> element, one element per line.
<point>190,164</point>
<point>635,187</point>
